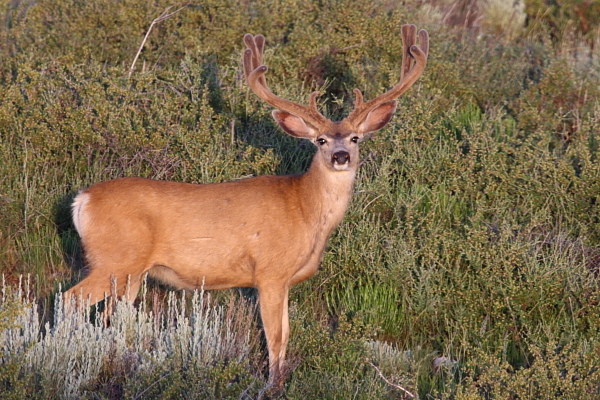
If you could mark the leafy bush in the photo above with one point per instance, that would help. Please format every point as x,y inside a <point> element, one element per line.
<point>466,267</point>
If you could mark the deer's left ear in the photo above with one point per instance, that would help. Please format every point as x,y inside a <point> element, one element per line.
<point>293,125</point>
<point>378,117</point>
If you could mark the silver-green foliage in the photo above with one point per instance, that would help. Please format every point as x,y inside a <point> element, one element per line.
<point>70,352</point>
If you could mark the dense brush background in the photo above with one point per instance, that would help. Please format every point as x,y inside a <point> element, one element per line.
<point>467,264</point>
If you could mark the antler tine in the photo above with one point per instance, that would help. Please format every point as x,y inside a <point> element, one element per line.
<point>255,71</point>
<point>424,41</point>
<point>409,35</point>
<point>255,46</point>
<point>414,59</point>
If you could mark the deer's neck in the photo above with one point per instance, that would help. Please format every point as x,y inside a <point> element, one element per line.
<point>326,194</point>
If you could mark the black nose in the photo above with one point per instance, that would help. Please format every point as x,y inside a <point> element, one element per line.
<point>340,157</point>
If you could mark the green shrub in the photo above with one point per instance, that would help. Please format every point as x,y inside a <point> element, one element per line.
<point>333,360</point>
<point>565,370</point>
<point>472,239</point>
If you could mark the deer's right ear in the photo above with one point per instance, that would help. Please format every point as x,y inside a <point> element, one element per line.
<point>293,125</point>
<point>378,117</point>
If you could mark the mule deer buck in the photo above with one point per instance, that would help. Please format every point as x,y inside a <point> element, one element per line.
<point>266,232</point>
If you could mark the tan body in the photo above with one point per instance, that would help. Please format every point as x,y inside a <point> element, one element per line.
<point>267,232</point>
<point>270,229</point>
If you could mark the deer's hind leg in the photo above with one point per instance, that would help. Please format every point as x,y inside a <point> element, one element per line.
<point>98,285</point>
<point>110,273</point>
<point>117,249</point>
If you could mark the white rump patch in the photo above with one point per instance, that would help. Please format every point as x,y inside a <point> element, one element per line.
<point>77,209</point>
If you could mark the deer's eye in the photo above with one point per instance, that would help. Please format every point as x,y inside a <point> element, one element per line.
<point>321,141</point>
<point>355,139</point>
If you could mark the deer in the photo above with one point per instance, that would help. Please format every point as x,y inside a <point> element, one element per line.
<point>266,232</point>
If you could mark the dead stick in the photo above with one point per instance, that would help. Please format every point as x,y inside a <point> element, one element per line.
<point>165,15</point>
<point>390,383</point>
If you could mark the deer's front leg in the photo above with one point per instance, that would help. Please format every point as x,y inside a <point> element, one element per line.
<point>285,332</point>
<point>273,311</point>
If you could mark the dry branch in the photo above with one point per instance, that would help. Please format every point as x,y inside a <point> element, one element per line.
<point>165,15</point>
<point>412,396</point>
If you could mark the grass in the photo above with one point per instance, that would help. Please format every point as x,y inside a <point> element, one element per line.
<point>466,266</point>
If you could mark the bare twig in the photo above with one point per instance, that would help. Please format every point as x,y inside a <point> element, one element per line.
<point>412,396</point>
<point>351,47</point>
<point>165,15</point>
<point>150,386</point>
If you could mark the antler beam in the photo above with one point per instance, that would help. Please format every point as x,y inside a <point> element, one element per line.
<point>255,71</point>
<point>414,59</point>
